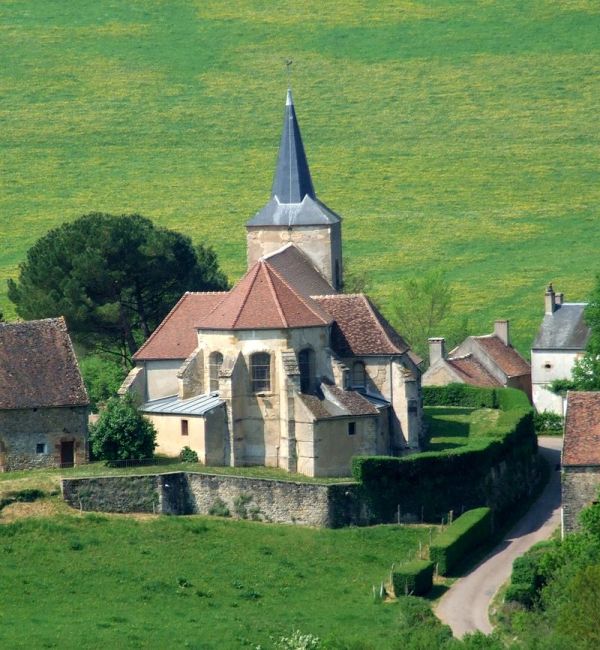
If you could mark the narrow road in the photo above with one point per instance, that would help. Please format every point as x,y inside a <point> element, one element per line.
<point>464,607</point>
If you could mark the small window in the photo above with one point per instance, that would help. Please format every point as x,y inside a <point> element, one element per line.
<point>547,366</point>
<point>184,428</point>
<point>215,361</point>
<point>351,428</point>
<point>358,375</point>
<point>40,448</point>
<point>306,365</point>
<point>260,372</point>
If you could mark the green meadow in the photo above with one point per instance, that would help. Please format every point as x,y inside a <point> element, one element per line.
<point>446,133</point>
<point>94,581</point>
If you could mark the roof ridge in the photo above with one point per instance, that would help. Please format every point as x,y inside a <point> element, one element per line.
<point>305,300</point>
<point>381,327</point>
<point>267,270</point>
<point>161,324</point>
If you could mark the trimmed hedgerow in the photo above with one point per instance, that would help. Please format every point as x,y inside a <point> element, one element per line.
<point>425,485</point>
<point>467,532</point>
<point>413,578</point>
<point>459,395</point>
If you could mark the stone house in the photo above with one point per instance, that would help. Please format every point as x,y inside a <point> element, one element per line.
<point>580,456</point>
<point>43,401</point>
<point>488,361</point>
<point>560,341</point>
<point>282,370</point>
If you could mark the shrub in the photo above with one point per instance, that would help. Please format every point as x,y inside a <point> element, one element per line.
<point>219,508</point>
<point>188,455</point>
<point>466,533</point>
<point>122,433</point>
<point>548,423</point>
<point>413,578</point>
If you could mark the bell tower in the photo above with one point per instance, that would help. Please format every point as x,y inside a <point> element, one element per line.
<point>294,214</point>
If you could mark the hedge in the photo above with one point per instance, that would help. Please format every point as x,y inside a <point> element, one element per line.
<point>467,532</point>
<point>414,578</point>
<point>528,576</point>
<point>459,395</point>
<point>425,484</point>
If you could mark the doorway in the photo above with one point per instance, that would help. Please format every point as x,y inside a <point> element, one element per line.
<point>67,453</point>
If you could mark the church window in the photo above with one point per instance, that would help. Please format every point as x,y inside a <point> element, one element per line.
<point>260,372</point>
<point>306,365</point>
<point>358,375</point>
<point>215,361</point>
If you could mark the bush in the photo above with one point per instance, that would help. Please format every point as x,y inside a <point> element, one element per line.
<point>413,578</point>
<point>466,533</point>
<point>188,455</point>
<point>219,508</point>
<point>548,423</point>
<point>122,433</point>
<point>519,593</point>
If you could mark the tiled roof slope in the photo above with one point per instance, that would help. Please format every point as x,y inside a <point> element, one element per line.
<point>582,429</point>
<point>359,328</point>
<point>293,265</point>
<point>38,367</point>
<point>472,371</point>
<point>333,402</point>
<point>262,299</point>
<point>175,337</point>
<point>505,356</point>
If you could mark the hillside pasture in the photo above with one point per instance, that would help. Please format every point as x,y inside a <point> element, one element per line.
<point>452,134</point>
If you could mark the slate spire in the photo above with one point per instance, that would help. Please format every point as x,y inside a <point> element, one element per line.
<point>292,180</point>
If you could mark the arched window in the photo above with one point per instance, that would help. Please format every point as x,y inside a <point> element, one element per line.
<point>215,361</point>
<point>306,365</point>
<point>358,375</point>
<point>260,372</point>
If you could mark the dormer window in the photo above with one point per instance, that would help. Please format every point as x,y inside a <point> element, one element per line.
<point>260,372</point>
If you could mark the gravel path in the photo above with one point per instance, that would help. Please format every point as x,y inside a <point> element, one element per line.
<point>464,607</point>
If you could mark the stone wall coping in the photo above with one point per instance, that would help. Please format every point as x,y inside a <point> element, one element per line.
<point>234,476</point>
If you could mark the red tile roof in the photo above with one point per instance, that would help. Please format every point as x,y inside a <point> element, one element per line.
<point>338,403</point>
<point>263,299</point>
<point>582,429</point>
<point>297,269</point>
<point>359,328</point>
<point>472,372</point>
<point>38,367</point>
<point>175,337</point>
<point>504,356</point>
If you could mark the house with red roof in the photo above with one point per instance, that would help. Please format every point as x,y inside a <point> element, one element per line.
<point>486,361</point>
<point>282,370</point>
<point>580,480</point>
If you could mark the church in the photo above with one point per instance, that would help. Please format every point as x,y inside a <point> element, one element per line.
<point>283,370</point>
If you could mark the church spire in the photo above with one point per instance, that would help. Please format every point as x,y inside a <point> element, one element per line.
<point>292,180</point>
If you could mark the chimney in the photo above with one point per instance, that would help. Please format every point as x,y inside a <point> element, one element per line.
<point>550,300</point>
<point>501,331</point>
<point>437,350</point>
<point>560,297</point>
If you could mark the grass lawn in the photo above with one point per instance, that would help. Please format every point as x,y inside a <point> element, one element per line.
<point>460,134</point>
<point>451,427</point>
<point>96,581</point>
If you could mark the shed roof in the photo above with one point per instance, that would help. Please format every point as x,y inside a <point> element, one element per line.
<point>565,329</point>
<point>172,405</point>
<point>582,429</point>
<point>38,367</point>
<point>332,402</point>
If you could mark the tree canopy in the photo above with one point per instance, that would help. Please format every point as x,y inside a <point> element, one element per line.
<point>586,372</point>
<point>113,278</point>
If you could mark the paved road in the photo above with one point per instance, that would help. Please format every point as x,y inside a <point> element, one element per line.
<point>464,607</point>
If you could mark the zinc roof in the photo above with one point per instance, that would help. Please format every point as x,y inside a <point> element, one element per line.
<point>198,405</point>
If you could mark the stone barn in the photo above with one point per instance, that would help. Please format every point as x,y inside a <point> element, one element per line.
<point>43,401</point>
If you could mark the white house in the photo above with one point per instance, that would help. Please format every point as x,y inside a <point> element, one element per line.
<point>560,341</point>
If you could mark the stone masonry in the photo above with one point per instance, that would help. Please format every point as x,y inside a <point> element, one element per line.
<point>580,488</point>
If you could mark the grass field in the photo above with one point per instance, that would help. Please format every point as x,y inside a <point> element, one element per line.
<point>194,582</point>
<point>451,427</point>
<point>459,134</point>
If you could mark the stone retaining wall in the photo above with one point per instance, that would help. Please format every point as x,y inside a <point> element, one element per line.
<point>580,487</point>
<point>185,493</point>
